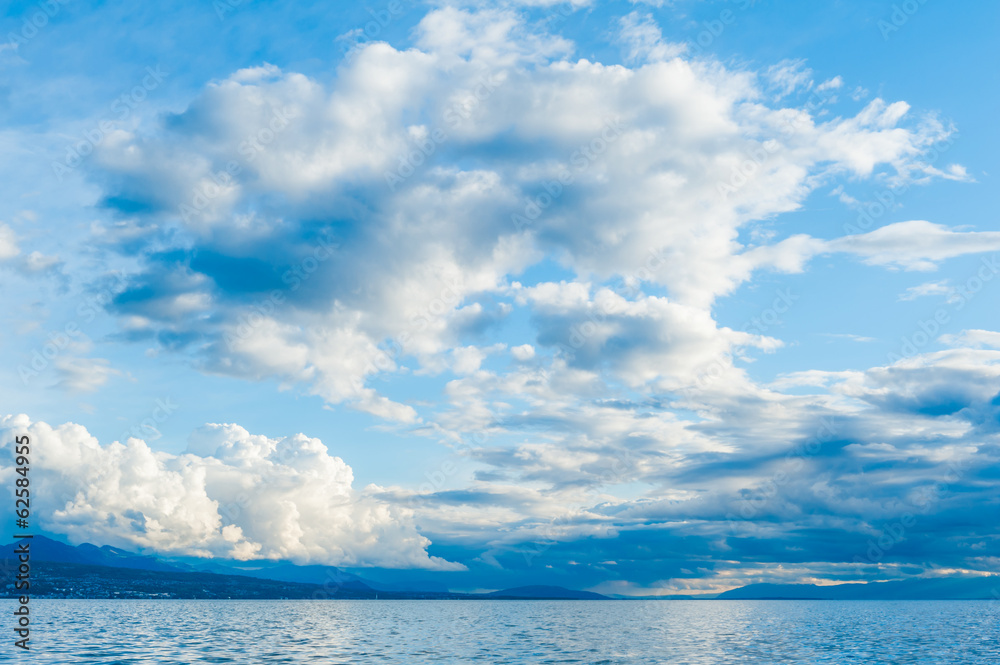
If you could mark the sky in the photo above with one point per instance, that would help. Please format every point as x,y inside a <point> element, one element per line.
<point>643,298</point>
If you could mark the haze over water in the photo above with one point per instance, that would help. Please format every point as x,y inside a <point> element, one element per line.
<point>495,632</point>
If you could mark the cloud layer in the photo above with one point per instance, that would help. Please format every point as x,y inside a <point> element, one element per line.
<point>230,494</point>
<point>294,229</point>
<point>541,243</point>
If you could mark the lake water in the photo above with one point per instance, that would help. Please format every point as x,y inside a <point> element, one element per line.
<point>413,632</point>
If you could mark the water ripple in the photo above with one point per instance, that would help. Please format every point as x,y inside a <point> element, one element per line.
<point>415,632</point>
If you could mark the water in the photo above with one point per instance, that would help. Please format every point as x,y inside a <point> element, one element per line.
<point>414,632</point>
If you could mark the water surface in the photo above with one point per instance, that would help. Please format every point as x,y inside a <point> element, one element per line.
<point>414,632</point>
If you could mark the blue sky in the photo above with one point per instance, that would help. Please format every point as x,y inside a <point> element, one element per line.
<point>502,293</point>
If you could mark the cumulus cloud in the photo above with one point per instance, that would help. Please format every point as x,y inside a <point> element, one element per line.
<point>640,341</point>
<point>229,494</point>
<point>762,479</point>
<point>326,233</point>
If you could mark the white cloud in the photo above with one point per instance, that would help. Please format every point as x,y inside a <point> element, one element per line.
<point>916,245</point>
<point>647,340</point>
<point>255,74</point>
<point>8,243</point>
<point>643,40</point>
<point>831,84</point>
<point>789,75</point>
<point>230,494</point>
<point>682,156</point>
<point>83,374</point>
<point>913,245</point>
<point>38,262</point>
<point>850,336</point>
<point>523,353</point>
<point>976,339</point>
<point>940,288</point>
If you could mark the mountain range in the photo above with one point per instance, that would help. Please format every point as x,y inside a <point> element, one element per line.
<point>286,579</point>
<point>83,566</point>
<point>938,588</point>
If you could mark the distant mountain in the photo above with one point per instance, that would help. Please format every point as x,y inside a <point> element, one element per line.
<point>942,588</point>
<point>74,580</point>
<point>329,576</point>
<point>332,581</point>
<point>676,596</point>
<point>46,549</point>
<point>545,593</point>
<point>409,586</point>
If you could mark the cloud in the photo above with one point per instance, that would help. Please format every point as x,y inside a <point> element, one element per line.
<point>940,288</point>
<point>83,374</point>
<point>325,234</point>
<point>850,336</point>
<point>643,40</point>
<point>913,245</point>
<point>916,245</point>
<point>33,263</point>
<point>805,480</point>
<point>8,243</point>
<point>973,338</point>
<point>389,220</point>
<point>831,84</point>
<point>524,352</point>
<point>229,494</point>
<point>640,341</point>
<point>787,76</point>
